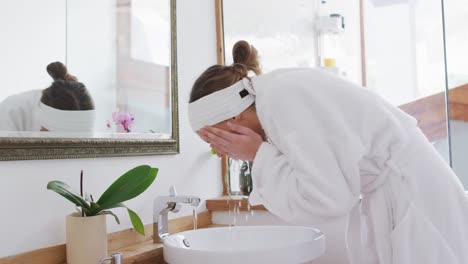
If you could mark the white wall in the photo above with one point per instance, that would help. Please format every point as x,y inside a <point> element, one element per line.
<point>20,27</point>
<point>92,52</point>
<point>151,31</point>
<point>32,217</point>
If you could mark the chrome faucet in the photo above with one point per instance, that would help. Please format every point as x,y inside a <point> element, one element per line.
<point>165,204</point>
<point>115,258</point>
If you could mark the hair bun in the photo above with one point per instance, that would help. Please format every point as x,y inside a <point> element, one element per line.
<point>58,71</point>
<point>240,68</point>
<point>245,54</point>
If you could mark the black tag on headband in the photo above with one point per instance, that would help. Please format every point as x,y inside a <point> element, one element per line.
<point>243,93</point>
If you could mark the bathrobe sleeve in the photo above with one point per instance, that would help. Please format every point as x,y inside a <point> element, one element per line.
<point>7,120</point>
<point>13,115</point>
<point>310,173</point>
<point>17,112</point>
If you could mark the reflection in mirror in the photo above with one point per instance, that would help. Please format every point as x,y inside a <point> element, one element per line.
<point>118,73</point>
<point>64,106</point>
<point>240,177</point>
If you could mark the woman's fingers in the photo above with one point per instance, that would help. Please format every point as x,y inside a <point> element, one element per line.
<point>240,129</point>
<point>203,136</point>
<point>220,149</point>
<point>239,142</point>
<point>226,135</point>
<point>211,137</point>
<point>219,153</point>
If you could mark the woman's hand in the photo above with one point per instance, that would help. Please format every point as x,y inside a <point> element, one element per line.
<point>239,143</point>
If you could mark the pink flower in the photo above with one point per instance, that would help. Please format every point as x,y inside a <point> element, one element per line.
<point>123,119</point>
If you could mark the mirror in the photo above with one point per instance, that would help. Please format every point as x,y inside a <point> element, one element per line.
<point>88,78</point>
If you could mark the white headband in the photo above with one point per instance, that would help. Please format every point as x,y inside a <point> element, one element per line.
<point>57,120</point>
<point>221,105</point>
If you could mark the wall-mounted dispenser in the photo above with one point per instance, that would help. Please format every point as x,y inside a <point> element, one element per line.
<point>329,26</point>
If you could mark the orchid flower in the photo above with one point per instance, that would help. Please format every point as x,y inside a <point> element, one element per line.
<point>123,119</point>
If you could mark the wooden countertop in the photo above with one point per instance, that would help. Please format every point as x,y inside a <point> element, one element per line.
<point>227,203</point>
<point>136,249</point>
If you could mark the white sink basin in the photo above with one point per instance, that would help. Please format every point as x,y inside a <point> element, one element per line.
<point>245,244</point>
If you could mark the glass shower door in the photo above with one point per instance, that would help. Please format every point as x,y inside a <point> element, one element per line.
<point>405,62</point>
<point>456,39</point>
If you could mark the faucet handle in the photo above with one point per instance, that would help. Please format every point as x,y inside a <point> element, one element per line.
<point>172,191</point>
<point>115,258</point>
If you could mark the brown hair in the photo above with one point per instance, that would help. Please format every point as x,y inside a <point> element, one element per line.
<point>66,93</point>
<point>218,77</point>
<point>58,71</point>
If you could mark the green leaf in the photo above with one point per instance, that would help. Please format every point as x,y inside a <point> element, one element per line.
<point>213,152</point>
<point>97,209</point>
<point>110,213</point>
<point>65,190</point>
<point>128,186</point>
<point>136,222</point>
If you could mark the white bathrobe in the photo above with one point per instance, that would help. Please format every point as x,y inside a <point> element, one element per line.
<point>18,112</point>
<point>336,149</point>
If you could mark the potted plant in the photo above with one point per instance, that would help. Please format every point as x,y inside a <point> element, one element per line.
<point>86,230</point>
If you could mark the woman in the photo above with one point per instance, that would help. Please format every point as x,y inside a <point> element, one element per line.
<point>65,106</point>
<point>325,148</point>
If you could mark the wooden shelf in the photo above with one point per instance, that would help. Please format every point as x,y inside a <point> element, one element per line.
<point>227,203</point>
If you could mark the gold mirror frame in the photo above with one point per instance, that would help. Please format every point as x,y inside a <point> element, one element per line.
<point>12,148</point>
<point>221,61</point>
